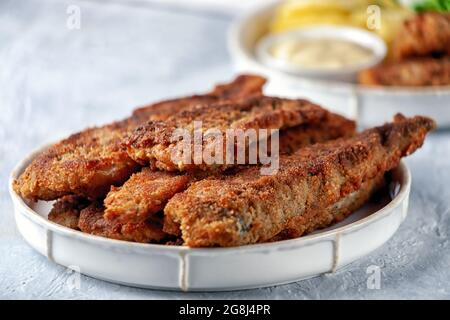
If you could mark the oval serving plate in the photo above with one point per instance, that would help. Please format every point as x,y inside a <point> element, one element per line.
<point>215,269</point>
<point>370,106</point>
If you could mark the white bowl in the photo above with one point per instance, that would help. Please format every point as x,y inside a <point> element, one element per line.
<point>214,269</point>
<point>349,73</point>
<point>369,105</point>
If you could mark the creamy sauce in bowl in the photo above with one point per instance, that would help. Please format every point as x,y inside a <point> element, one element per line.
<point>321,53</point>
<point>324,52</point>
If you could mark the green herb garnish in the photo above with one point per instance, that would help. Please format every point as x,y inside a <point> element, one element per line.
<point>433,5</point>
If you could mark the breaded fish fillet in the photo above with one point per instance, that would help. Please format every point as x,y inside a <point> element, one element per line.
<point>90,162</point>
<point>81,214</point>
<point>92,221</point>
<point>416,72</point>
<point>332,126</point>
<point>426,34</point>
<point>242,87</point>
<point>249,208</point>
<point>317,218</point>
<point>143,195</point>
<point>66,211</point>
<point>156,142</point>
<point>85,164</point>
<point>147,192</point>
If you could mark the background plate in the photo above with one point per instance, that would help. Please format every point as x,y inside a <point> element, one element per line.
<point>370,106</point>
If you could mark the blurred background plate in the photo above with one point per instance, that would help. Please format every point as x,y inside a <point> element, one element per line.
<point>369,105</point>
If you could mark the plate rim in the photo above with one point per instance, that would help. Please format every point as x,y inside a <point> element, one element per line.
<point>28,212</point>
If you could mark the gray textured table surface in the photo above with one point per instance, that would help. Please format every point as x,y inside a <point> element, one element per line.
<point>54,80</point>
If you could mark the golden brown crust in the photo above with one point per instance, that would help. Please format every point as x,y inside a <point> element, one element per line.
<point>66,211</point>
<point>92,222</point>
<point>147,192</point>
<point>331,127</point>
<point>425,34</point>
<point>248,208</point>
<point>317,217</point>
<point>80,214</point>
<point>85,164</point>
<point>415,72</point>
<point>90,162</point>
<point>241,87</point>
<point>143,195</point>
<point>155,142</point>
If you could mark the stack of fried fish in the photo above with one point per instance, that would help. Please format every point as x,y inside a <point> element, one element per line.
<point>119,181</point>
<point>420,54</point>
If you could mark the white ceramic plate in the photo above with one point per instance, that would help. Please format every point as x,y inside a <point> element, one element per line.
<point>369,105</point>
<point>215,269</point>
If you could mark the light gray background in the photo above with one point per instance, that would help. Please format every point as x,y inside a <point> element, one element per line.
<point>54,81</point>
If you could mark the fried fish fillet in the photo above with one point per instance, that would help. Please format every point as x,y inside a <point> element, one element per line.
<point>85,164</point>
<point>415,72</point>
<point>88,163</point>
<point>426,34</point>
<point>332,126</point>
<point>92,221</point>
<point>249,208</point>
<point>66,211</point>
<point>242,87</point>
<point>143,195</point>
<point>81,214</point>
<point>156,142</point>
<point>147,192</point>
<point>317,218</point>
